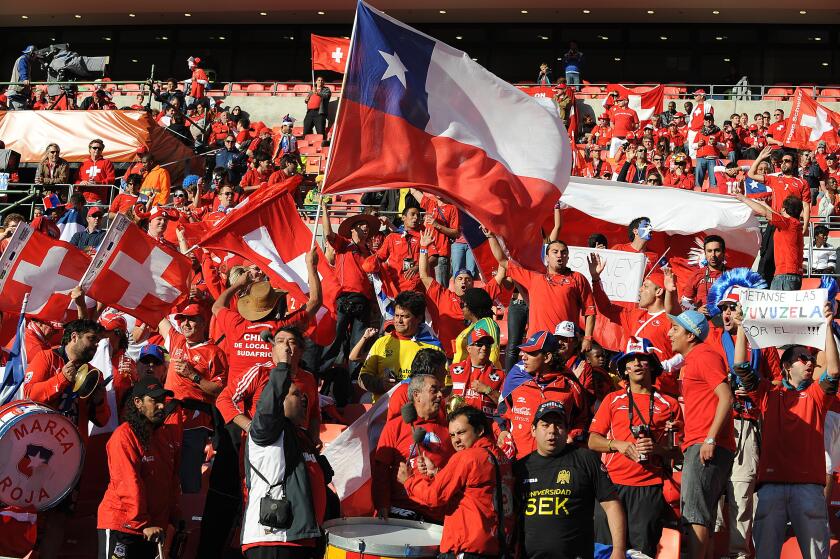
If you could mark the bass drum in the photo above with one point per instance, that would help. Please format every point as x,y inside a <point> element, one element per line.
<point>41,455</point>
<point>374,538</point>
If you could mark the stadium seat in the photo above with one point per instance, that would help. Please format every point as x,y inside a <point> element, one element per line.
<point>302,89</point>
<point>256,90</point>
<point>672,91</point>
<point>237,91</point>
<point>297,131</point>
<point>312,138</point>
<point>642,88</point>
<point>776,94</point>
<point>130,88</point>
<point>278,87</point>
<point>590,92</point>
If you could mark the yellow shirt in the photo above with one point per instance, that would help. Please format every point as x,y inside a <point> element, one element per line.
<point>156,184</point>
<point>390,354</point>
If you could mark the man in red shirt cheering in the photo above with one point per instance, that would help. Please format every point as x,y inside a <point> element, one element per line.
<point>791,467</point>
<point>708,441</point>
<point>624,121</point>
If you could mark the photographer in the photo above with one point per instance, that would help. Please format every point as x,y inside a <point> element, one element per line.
<point>19,95</point>
<point>283,471</point>
<point>633,427</point>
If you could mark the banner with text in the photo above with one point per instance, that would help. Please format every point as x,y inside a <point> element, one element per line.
<point>775,318</point>
<point>622,275</point>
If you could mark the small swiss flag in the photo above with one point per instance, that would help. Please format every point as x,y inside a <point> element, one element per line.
<point>330,53</point>
<point>810,122</point>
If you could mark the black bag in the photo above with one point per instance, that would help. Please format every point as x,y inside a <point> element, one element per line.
<point>274,513</point>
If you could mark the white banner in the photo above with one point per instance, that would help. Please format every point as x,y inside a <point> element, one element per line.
<point>775,318</point>
<point>622,275</point>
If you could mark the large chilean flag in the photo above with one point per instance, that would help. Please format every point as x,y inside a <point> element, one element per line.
<point>417,112</point>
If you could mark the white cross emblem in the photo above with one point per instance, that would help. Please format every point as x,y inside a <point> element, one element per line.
<point>33,276</point>
<point>260,242</point>
<point>395,67</point>
<point>819,124</point>
<point>337,55</point>
<point>92,172</point>
<point>141,282</point>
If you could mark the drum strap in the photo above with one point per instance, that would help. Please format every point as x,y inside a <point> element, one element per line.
<point>500,507</point>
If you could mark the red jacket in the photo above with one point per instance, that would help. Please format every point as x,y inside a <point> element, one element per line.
<point>396,444</point>
<point>523,401</point>
<point>145,487</point>
<point>100,171</point>
<point>466,489</point>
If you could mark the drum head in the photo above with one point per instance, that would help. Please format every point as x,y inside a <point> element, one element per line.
<point>389,538</point>
<point>41,455</point>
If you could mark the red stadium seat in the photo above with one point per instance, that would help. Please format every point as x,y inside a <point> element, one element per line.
<point>281,87</point>
<point>302,89</point>
<point>829,93</point>
<point>776,94</point>
<point>130,88</point>
<point>312,138</point>
<point>590,92</point>
<point>810,283</point>
<point>236,90</point>
<point>672,91</point>
<point>256,90</point>
<point>297,131</point>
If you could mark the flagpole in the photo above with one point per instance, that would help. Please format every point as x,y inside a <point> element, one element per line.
<point>317,220</point>
<point>655,266</point>
<point>340,97</point>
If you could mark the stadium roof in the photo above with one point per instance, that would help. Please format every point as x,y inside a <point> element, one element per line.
<point>156,12</point>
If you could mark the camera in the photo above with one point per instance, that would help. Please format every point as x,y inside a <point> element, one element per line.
<point>408,263</point>
<point>641,432</point>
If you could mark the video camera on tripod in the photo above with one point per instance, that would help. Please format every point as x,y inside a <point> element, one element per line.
<point>65,65</point>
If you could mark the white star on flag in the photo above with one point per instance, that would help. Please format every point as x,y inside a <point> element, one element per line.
<point>819,124</point>
<point>395,67</point>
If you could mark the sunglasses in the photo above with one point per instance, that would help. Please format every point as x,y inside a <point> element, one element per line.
<point>787,160</point>
<point>178,196</point>
<point>728,306</point>
<point>652,181</point>
<point>657,159</point>
<point>53,152</point>
<point>228,141</point>
<point>97,148</point>
<point>225,193</point>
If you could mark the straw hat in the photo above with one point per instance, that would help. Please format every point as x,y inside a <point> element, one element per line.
<point>259,301</point>
<point>373,224</point>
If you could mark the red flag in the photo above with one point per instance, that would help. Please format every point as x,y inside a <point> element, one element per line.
<point>330,53</point>
<point>645,104</point>
<point>809,122</point>
<point>269,232</point>
<point>46,268</point>
<point>136,274</point>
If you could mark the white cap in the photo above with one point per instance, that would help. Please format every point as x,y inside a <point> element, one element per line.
<point>565,329</point>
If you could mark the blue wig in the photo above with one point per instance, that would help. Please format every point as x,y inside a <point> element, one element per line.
<point>190,180</point>
<point>736,277</point>
<point>828,282</point>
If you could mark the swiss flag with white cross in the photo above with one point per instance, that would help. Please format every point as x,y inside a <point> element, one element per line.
<point>330,53</point>
<point>45,268</point>
<point>136,274</point>
<point>809,122</point>
<point>267,230</point>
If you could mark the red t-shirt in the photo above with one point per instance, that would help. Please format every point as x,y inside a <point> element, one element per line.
<point>709,147</point>
<point>698,286</point>
<point>792,433</point>
<point>122,203</point>
<point>444,307</point>
<point>348,266</point>
<point>623,120</point>
<point>445,214</point>
<point>703,371</point>
<point>612,420</point>
<point>246,349</point>
<point>698,114</point>
<point>777,131</point>
<point>553,298</point>
<point>209,361</point>
<point>788,244</point>
<point>464,373</point>
<point>394,252</point>
<point>783,186</point>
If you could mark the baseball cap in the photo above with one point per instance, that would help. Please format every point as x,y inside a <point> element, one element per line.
<point>649,125</point>
<point>97,211</point>
<point>731,295</point>
<point>753,127</point>
<point>190,310</point>
<point>821,144</point>
<point>638,347</point>
<point>540,341</point>
<point>478,334</point>
<point>113,321</point>
<point>159,211</point>
<point>154,351</point>
<point>605,116</point>
<point>150,386</point>
<point>548,408</point>
<point>709,116</point>
<point>693,322</point>
<point>461,272</point>
<point>679,115</point>
<point>565,329</point>
<point>699,91</point>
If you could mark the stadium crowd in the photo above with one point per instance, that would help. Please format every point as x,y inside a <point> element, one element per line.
<point>538,443</point>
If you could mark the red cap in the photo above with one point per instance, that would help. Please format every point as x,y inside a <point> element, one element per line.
<point>111,320</point>
<point>190,310</point>
<point>605,116</point>
<point>700,91</point>
<point>158,211</point>
<point>657,278</point>
<point>679,115</point>
<point>478,334</point>
<point>753,127</point>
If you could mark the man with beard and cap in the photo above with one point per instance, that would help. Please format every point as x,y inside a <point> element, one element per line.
<point>56,377</point>
<point>631,428</point>
<point>420,433</point>
<point>144,490</point>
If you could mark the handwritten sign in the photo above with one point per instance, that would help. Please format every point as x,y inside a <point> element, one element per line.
<point>622,275</point>
<point>775,318</point>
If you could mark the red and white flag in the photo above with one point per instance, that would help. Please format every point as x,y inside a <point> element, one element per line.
<point>330,53</point>
<point>809,122</point>
<point>46,268</point>
<point>134,273</point>
<point>645,104</point>
<point>267,230</point>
